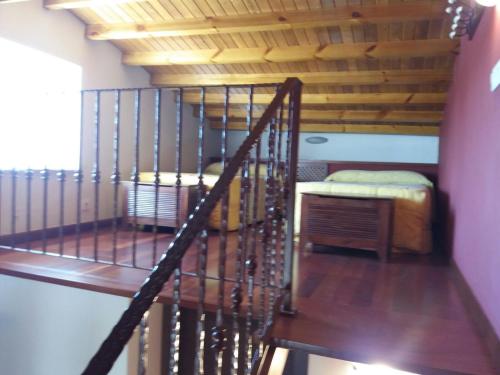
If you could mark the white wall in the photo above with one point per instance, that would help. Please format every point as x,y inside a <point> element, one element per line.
<point>61,34</point>
<point>64,326</point>
<point>190,124</point>
<point>359,147</point>
<point>49,329</point>
<point>371,147</point>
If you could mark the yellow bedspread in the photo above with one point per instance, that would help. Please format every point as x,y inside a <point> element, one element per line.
<point>412,209</point>
<point>209,180</point>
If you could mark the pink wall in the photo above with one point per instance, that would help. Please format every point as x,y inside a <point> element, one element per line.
<point>470,165</point>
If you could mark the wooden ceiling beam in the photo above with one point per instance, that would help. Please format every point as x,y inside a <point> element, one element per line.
<point>76,4</point>
<point>338,78</point>
<point>429,130</point>
<point>375,50</point>
<point>433,117</point>
<point>327,98</point>
<point>274,21</point>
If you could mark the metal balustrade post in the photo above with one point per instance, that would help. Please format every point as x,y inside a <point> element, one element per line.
<point>250,256</point>
<point>294,128</point>
<point>175,322</point>
<point>115,177</point>
<point>61,177</point>
<point>44,175</point>
<point>13,209</point>
<point>78,176</point>
<point>200,337</point>
<point>143,344</point>
<point>280,178</point>
<point>141,302</point>
<point>96,172</point>
<point>156,170</point>
<point>29,183</point>
<point>135,172</point>
<point>219,332</point>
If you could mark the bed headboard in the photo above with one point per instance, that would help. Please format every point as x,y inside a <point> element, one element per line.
<point>317,170</point>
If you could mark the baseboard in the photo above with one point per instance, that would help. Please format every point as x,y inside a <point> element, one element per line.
<point>480,321</point>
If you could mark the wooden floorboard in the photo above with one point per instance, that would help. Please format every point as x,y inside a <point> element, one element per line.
<point>407,313</point>
<point>121,279</point>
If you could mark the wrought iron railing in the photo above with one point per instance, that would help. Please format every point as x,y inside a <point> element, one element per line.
<point>259,254</point>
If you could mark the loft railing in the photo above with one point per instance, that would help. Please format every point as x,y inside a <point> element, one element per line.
<point>96,220</point>
<point>279,186</point>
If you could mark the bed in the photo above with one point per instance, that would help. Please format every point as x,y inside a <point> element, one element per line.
<point>413,196</point>
<point>210,177</point>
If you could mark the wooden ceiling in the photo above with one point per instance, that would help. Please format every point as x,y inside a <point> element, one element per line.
<point>369,66</point>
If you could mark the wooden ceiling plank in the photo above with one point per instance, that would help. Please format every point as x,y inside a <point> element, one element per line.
<point>378,50</point>
<point>273,21</point>
<point>416,48</point>
<point>329,98</point>
<point>418,76</point>
<point>181,57</point>
<point>422,130</point>
<point>76,4</point>
<point>342,115</point>
<point>239,55</point>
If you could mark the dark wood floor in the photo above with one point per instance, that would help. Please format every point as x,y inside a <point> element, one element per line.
<point>407,312</point>
<point>121,279</point>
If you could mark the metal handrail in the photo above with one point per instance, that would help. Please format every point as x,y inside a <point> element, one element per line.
<point>103,360</point>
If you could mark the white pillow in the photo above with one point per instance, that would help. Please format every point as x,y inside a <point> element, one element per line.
<point>380,177</point>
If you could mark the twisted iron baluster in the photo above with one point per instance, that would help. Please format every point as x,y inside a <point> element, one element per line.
<point>78,176</point>
<point>270,230</point>
<point>175,326</point>
<point>249,256</point>
<point>61,177</point>
<point>264,261</point>
<point>266,284</point>
<point>135,172</point>
<point>175,320</point>
<point>44,175</point>
<point>112,346</point>
<point>286,189</point>
<point>156,169</point>
<point>13,218</point>
<point>252,260</point>
<point>96,172</point>
<point>219,332</point>
<point>143,344</point>
<point>29,184</point>
<point>115,177</point>
<point>281,196</point>
<point>202,249</point>
<point>236,293</point>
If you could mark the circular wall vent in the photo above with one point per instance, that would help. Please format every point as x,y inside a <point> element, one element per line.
<point>316,140</point>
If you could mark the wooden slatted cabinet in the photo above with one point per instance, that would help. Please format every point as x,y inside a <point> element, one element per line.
<point>167,203</point>
<point>347,221</point>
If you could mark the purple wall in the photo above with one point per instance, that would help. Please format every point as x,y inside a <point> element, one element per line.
<point>470,165</point>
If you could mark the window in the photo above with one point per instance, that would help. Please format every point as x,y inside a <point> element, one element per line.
<point>39,109</point>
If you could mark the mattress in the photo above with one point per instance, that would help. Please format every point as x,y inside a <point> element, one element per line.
<point>412,209</point>
<point>209,180</point>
